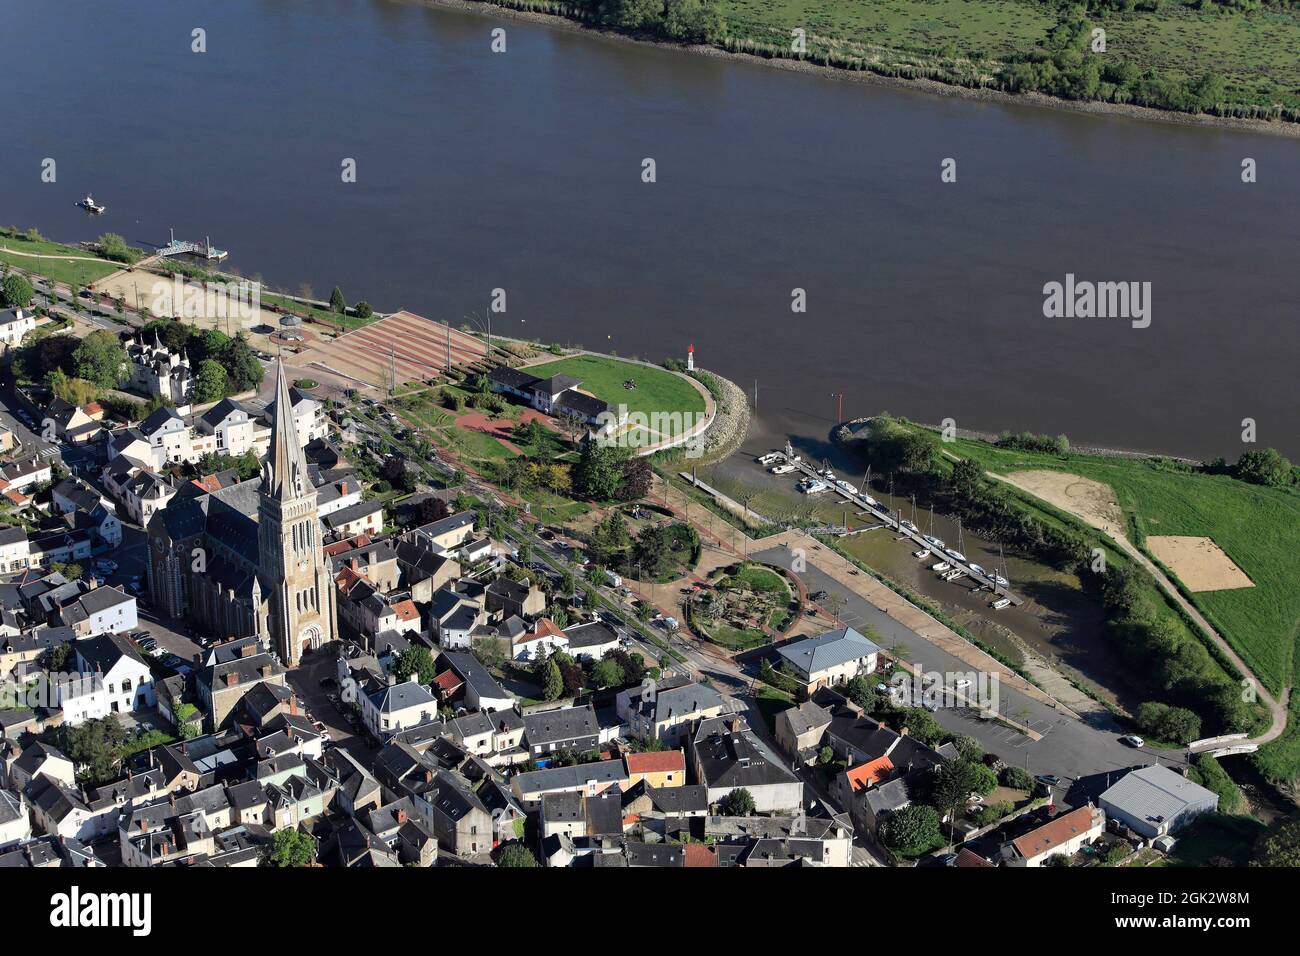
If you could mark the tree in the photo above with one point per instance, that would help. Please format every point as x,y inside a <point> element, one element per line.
<point>692,21</point>
<point>94,746</point>
<point>113,246</point>
<point>825,756</point>
<point>633,14</point>
<point>243,370</point>
<point>337,302</point>
<point>74,390</point>
<point>433,509</point>
<point>516,855</point>
<point>1176,725</point>
<point>99,359</point>
<point>363,309</point>
<point>607,673</point>
<point>290,848</point>
<point>552,680</point>
<point>637,477</point>
<point>1266,467</point>
<point>1280,847</point>
<point>1017,778</point>
<point>16,291</point>
<point>415,660</point>
<point>739,803</point>
<point>210,383</point>
<point>912,830</point>
<point>600,471</point>
<point>491,652</point>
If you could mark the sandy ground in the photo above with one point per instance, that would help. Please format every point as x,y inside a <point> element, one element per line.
<point>1084,498</point>
<point>1198,562</point>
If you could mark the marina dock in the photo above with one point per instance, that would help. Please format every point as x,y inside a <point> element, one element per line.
<point>894,520</point>
<point>180,247</point>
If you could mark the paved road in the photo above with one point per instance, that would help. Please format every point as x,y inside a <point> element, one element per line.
<point>1068,748</point>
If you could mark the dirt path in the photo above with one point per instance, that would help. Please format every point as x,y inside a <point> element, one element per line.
<point>1095,503</point>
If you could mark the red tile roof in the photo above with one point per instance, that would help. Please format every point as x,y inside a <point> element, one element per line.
<point>697,854</point>
<point>1061,830</point>
<point>870,773</point>
<point>406,611</point>
<point>662,761</point>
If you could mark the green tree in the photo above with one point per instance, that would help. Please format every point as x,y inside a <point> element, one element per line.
<point>363,309</point>
<point>607,673</point>
<point>99,359</point>
<point>912,830</point>
<point>516,855</point>
<point>1279,847</point>
<point>113,246</point>
<point>243,370</point>
<point>599,471</point>
<point>1266,467</point>
<point>552,680</point>
<point>739,803</point>
<point>692,21</point>
<point>210,383</point>
<point>337,302</point>
<point>415,661</point>
<point>290,848</point>
<point>16,290</point>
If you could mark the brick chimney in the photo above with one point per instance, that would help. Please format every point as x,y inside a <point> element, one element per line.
<point>265,670</point>
<point>428,775</point>
<point>248,650</point>
<point>401,816</point>
<point>231,678</point>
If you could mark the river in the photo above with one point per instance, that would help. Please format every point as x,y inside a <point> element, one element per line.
<point>522,171</point>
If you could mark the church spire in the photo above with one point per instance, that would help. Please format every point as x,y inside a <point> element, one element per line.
<point>286,468</point>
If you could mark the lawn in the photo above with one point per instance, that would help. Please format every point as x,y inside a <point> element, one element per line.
<point>21,253</point>
<point>323,315</point>
<point>1257,527</point>
<point>657,389</point>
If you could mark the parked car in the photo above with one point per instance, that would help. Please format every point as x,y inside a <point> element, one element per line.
<point>1133,740</point>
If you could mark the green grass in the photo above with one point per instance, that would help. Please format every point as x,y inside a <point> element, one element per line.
<point>1254,53</point>
<point>771,701</point>
<point>1216,837</point>
<point>60,270</point>
<point>657,390</point>
<point>1257,527</point>
<point>323,315</point>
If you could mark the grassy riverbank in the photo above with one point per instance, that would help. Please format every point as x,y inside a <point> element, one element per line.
<point>31,253</point>
<point>1177,56</point>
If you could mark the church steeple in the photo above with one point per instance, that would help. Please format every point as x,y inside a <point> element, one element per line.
<point>286,474</point>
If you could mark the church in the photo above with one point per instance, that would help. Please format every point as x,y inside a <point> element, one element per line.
<point>248,559</point>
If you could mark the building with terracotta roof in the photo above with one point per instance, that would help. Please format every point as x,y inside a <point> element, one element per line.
<point>663,768</point>
<point>1061,836</point>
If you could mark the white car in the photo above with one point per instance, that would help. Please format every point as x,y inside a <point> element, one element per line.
<point>1133,740</point>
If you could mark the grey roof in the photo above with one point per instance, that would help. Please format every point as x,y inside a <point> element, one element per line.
<point>1157,793</point>
<point>566,778</point>
<point>679,700</point>
<point>590,634</point>
<point>727,756</point>
<point>388,699</point>
<point>351,513</point>
<point>565,723</point>
<point>807,716</point>
<point>828,650</point>
<point>474,674</point>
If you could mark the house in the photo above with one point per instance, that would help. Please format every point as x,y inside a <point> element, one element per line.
<point>23,765</point>
<point>391,707</point>
<point>14,324</point>
<point>591,641</point>
<point>127,679</point>
<point>727,757</point>
<point>19,475</point>
<point>446,534</point>
<point>482,692</point>
<point>799,730</point>
<point>544,639</point>
<point>75,424</point>
<point>308,416</point>
<point>658,769</point>
<point>74,496</point>
<point>508,598</point>
<point>590,778</point>
<point>98,610</point>
<point>143,493</point>
<point>233,670</point>
<point>364,517</point>
<point>15,826</point>
<point>57,809</point>
<point>831,658</point>
<point>1155,801</point>
<point>572,729</point>
<point>558,395</point>
<point>1064,835</point>
<point>81,697</point>
<point>15,551</point>
<point>156,370</point>
<point>454,617</point>
<point>667,710</point>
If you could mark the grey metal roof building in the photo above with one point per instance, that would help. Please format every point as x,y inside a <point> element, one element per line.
<point>828,650</point>
<point>1155,800</point>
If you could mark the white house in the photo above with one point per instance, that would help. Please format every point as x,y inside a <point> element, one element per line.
<point>388,708</point>
<point>81,697</point>
<point>15,825</point>
<point>1062,836</point>
<point>125,675</point>
<point>100,610</point>
<point>14,324</point>
<point>543,640</point>
<point>830,658</point>
<point>15,551</point>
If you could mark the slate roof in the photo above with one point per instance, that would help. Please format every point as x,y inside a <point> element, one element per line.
<point>827,650</point>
